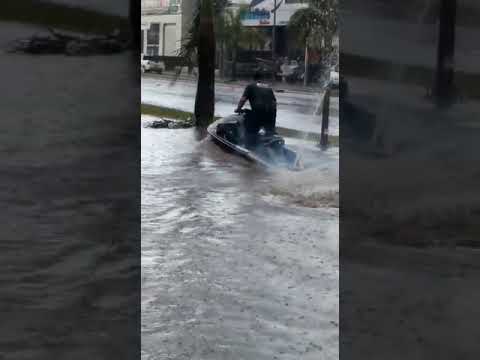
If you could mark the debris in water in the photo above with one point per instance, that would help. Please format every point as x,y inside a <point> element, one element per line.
<point>55,42</point>
<point>162,123</point>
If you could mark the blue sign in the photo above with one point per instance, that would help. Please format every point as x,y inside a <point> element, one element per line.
<point>257,15</point>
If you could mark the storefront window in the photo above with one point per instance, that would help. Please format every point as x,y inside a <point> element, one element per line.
<point>152,50</point>
<point>153,39</point>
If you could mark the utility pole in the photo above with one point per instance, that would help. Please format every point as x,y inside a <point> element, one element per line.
<point>325,118</point>
<point>274,37</point>
<point>443,87</point>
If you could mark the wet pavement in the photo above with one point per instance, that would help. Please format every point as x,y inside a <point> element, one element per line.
<point>295,109</point>
<point>237,262</point>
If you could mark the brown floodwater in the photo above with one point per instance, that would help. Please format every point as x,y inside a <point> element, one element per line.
<point>237,262</point>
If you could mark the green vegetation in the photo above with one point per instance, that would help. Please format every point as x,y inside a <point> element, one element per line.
<point>61,16</point>
<point>315,27</point>
<point>232,36</point>
<point>163,112</point>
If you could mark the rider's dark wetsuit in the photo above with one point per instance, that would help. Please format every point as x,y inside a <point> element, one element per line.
<point>264,108</point>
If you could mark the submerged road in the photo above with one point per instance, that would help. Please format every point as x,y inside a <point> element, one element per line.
<point>237,262</point>
<point>295,109</point>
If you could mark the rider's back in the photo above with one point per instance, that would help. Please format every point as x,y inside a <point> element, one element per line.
<point>261,97</point>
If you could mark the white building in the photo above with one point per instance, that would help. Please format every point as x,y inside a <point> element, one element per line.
<point>164,24</point>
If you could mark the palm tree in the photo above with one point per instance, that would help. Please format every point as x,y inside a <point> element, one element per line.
<point>205,97</point>
<point>200,44</point>
<point>315,26</point>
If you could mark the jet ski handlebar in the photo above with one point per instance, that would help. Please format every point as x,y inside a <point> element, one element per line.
<point>242,111</point>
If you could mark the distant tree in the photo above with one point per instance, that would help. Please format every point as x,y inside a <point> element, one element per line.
<point>315,27</point>
<point>233,35</point>
<point>253,38</point>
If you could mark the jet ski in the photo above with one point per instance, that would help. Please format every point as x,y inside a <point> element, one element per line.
<point>268,150</point>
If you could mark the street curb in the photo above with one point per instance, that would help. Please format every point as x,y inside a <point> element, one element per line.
<point>298,134</point>
<point>306,135</point>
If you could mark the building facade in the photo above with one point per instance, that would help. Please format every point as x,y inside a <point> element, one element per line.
<point>260,15</point>
<point>164,25</point>
<point>261,12</point>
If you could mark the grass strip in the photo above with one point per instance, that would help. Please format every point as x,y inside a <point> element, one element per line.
<point>169,113</point>
<point>163,112</point>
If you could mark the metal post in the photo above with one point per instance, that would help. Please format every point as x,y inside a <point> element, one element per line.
<point>443,89</point>
<point>305,72</point>
<point>274,37</point>
<point>325,118</point>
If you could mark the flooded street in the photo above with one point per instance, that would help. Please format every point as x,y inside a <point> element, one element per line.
<point>295,108</point>
<point>69,188</point>
<point>237,262</point>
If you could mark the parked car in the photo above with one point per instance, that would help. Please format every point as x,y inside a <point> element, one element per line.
<point>291,71</point>
<point>334,78</point>
<point>152,66</point>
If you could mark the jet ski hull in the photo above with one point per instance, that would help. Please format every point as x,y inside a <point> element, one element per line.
<point>282,157</point>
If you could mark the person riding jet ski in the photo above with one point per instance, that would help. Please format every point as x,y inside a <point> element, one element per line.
<point>264,109</point>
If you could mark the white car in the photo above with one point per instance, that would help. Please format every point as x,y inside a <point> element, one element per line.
<point>151,66</point>
<point>334,78</point>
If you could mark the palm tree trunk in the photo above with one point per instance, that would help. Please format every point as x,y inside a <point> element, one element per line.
<point>222,59</point>
<point>306,75</point>
<point>205,97</point>
<point>234,63</point>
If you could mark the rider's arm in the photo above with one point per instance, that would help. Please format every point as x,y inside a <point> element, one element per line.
<point>274,99</point>
<point>242,102</point>
<point>244,98</point>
